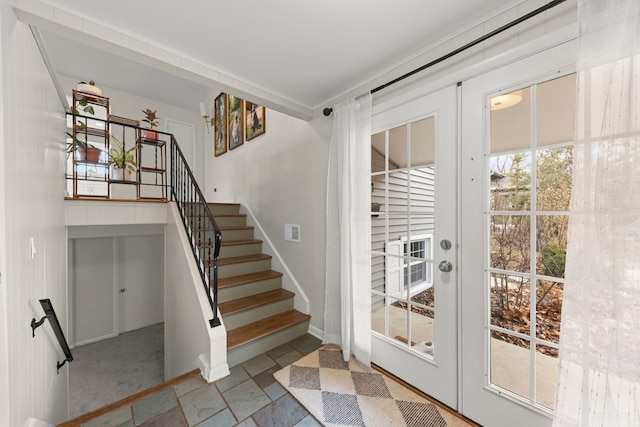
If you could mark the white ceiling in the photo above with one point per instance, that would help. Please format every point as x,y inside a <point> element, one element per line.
<point>307,52</point>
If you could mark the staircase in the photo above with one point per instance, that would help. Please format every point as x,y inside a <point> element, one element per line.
<point>257,313</point>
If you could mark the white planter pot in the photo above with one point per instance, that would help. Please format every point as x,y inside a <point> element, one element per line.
<point>118,174</point>
<point>86,88</point>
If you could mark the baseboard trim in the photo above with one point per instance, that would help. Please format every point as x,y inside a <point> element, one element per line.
<point>316,332</point>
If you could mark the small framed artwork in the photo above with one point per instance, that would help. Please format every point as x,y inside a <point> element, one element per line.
<point>235,120</point>
<point>255,124</point>
<point>221,125</point>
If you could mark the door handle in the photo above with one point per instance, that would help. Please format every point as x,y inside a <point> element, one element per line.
<point>445,266</point>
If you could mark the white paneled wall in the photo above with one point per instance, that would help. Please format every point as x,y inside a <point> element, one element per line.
<point>189,342</point>
<point>32,176</point>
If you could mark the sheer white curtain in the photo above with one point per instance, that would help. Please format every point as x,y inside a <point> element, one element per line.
<point>347,312</point>
<point>599,376</point>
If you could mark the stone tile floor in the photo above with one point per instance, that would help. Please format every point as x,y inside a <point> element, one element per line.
<point>250,396</point>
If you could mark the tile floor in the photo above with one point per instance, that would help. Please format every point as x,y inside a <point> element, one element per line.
<point>250,396</point>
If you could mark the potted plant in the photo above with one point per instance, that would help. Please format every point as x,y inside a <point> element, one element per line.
<point>153,121</point>
<point>84,151</point>
<point>123,161</point>
<point>89,88</point>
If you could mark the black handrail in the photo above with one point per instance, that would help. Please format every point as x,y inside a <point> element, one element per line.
<point>204,235</point>
<point>202,230</point>
<point>50,313</point>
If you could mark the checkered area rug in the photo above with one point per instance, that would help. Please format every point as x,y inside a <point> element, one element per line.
<point>338,393</point>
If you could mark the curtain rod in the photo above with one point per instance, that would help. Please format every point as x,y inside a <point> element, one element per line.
<point>552,4</point>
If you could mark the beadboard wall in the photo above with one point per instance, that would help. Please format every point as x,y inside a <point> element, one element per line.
<point>189,342</point>
<point>32,243</point>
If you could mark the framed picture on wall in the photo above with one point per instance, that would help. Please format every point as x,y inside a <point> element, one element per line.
<point>235,121</point>
<point>255,124</point>
<point>221,124</point>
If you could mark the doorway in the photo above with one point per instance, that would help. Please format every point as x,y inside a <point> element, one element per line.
<point>500,182</point>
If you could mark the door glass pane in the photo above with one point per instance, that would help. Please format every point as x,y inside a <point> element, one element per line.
<point>511,367</point>
<point>423,142</point>
<point>378,313</point>
<point>527,227</point>
<point>510,121</point>
<point>378,152</point>
<point>510,242</point>
<point>547,373</point>
<point>510,182</point>
<point>555,110</point>
<point>398,152</point>
<point>402,233</point>
<point>553,173</point>
<point>423,190</point>
<point>510,305</point>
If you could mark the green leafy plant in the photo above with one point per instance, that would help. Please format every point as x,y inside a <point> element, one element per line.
<point>554,259</point>
<point>83,102</point>
<point>121,158</point>
<point>150,118</point>
<point>78,142</point>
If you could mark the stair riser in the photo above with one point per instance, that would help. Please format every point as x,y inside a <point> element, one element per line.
<point>222,221</point>
<point>254,348</point>
<point>231,221</point>
<point>243,268</point>
<point>237,234</point>
<point>240,250</point>
<point>232,321</point>
<point>214,208</point>
<point>232,250</point>
<point>241,291</point>
<point>222,209</point>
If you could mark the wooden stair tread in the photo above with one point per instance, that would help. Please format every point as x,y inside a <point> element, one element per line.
<point>191,215</point>
<point>264,327</point>
<point>240,242</point>
<point>248,278</point>
<point>253,301</point>
<point>243,258</point>
<point>236,227</point>
<point>227,227</point>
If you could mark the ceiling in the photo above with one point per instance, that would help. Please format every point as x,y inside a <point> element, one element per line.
<point>304,52</point>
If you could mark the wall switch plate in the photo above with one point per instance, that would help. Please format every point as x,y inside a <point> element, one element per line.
<point>292,232</point>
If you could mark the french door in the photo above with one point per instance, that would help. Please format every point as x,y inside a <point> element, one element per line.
<point>517,129</point>
<point>470,188</point>
<point>414,243</point>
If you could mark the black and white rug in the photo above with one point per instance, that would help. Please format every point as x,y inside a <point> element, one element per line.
<point>338,393</point>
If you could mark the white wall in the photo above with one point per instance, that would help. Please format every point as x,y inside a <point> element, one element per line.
<point>281,175</point>
<point>124,104</point>
<point>32,154</point>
